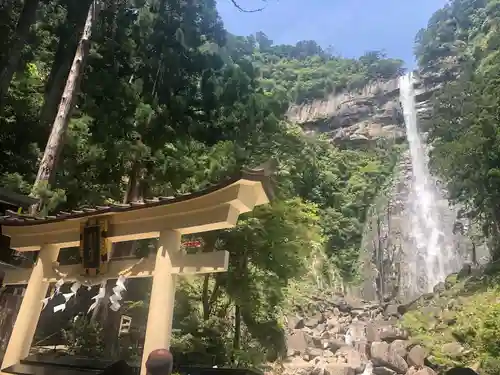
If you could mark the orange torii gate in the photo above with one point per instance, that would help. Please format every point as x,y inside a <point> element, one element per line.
<point>94,230</point>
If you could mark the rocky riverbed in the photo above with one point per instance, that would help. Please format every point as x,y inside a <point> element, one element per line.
<point>335,335</point>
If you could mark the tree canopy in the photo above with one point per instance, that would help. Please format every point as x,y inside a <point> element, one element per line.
<point>169,102</point>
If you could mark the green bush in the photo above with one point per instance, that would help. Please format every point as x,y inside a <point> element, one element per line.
<point>84,338</point>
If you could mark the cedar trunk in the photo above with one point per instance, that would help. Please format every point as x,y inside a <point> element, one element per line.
<point>46,171</point>
<point>26,19</point>
<point>69,36</point>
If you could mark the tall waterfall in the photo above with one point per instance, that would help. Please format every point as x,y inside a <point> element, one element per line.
<point>433,256</point>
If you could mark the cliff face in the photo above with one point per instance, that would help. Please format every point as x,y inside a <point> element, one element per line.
<point>369,114</point>
<point>388,250</point>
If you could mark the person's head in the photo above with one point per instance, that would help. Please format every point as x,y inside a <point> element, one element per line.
<point>461,371</point>
<point>159,362</point>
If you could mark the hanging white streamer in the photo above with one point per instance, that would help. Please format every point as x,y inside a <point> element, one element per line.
<point>59,284</point>
<point>60,307</point>
<point>67,296</point>
<point>76,285</point>
<point>98,297</point>
<point>121,282</point>
<point>115,306</point>
<point>117,293</point>
<point>45,301</point>
<point>57,290</point>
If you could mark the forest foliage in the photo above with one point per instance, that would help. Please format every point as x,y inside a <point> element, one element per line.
<point>463,38</point>
<point>459,56</point>
<point>170,102</point>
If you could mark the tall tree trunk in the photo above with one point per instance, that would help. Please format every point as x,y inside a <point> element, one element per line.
<point>47,169</point>
<point>69,35</point>
<point>27,18</point>
<point>237,327</point>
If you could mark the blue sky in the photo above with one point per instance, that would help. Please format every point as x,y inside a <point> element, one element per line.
<point>350,26</point>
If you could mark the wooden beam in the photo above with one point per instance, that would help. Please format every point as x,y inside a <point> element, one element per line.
<point>218,217</point>
<point>184,264</point>
<point>201,263</point>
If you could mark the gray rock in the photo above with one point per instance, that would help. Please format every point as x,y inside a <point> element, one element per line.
<point>358,312</point>
<point>383,371</point>
<point>391,333</point>
<point>372,332</point>
<point>297,341</point>
<point>425,371</point>
<point>399,347</point>
<point>320,327</point>
<point>299,366</point>
<point>325,335</point>
<point>392,310</point>
<point>465,271</point>
<point>332,322</point>
<point>314,352</point>
<point>452,349</point>
<point>358,331</point>
<point>362,347</point>
<point>335,344</point>
<point>439,287</point>
<point>328,353</point>
<point>416,356</point>
<point>317,342</point>
<point>352,358</point>
<point>383,357</point>
<point>312,322</point>
<point>338,369</point>
<point>295,322</point>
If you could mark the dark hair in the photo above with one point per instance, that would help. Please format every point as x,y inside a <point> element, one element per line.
<point>461,371</point>
<point>159,362</point>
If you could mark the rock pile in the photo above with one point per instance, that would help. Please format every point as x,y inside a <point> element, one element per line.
<point>337,336</point>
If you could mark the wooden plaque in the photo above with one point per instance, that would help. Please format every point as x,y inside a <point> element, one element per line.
<point>93,246</point>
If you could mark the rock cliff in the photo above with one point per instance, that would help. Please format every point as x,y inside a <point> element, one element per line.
<point>371,113</point>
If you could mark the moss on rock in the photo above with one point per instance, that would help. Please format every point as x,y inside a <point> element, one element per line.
<point>460,326</point>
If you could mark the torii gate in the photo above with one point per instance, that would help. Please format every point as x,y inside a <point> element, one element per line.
<point>217,207</point>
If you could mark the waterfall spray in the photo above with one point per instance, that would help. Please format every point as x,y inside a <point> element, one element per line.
<point>434,256</point>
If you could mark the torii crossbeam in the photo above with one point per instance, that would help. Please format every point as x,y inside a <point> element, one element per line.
<point>217,207</point>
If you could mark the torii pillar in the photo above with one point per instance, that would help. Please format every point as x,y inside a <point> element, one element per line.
<point>159,323</point>
<point>167,219</point>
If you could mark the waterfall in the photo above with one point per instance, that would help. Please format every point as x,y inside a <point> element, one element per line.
<point>433,254</point>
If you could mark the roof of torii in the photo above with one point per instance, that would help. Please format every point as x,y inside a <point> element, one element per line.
<point>15,199</point>
<point>216,207</point>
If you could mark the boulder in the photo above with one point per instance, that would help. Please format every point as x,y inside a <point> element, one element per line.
<point>338,369</point>
<point>295,322</point>
<point>383,371</point>
<point>362,347</point>
<point>399,347</point>
<point>439,288</point>
<point>452,349</point>
<point>357,331</point>
<point>332,322</point>
<point>352,358</point>
<point>372,332</point>
<point>382,356</point>
<point>425,371</point>
<point>416,356</point>
<point>391,333</point>
<point>314,352</point>
<point>298,366</point>
<point>392,310</point>
<point>313,321</point>
<point>335,344</point>
<point>297,341</point>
